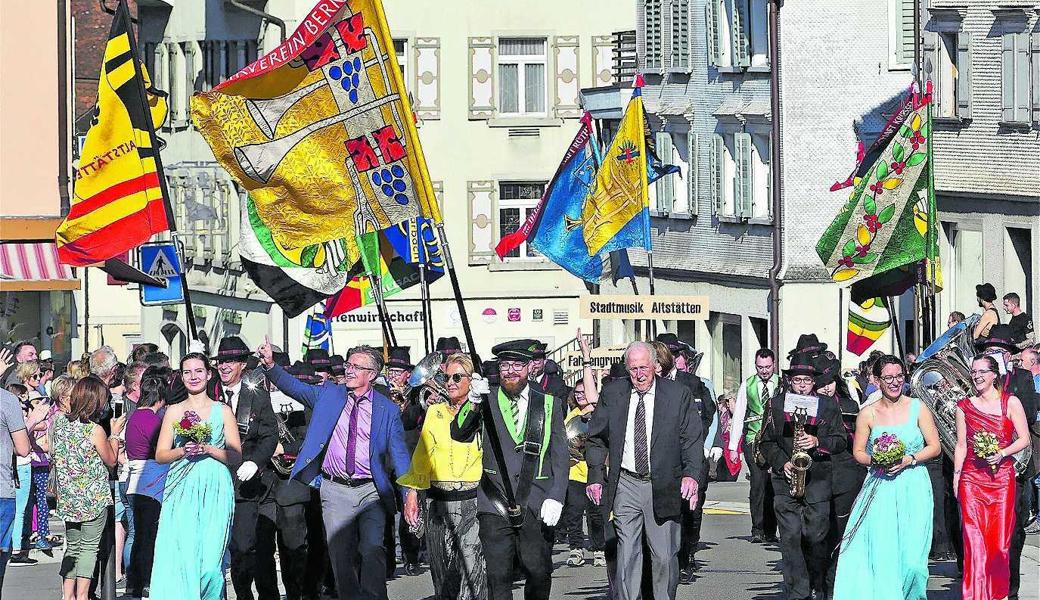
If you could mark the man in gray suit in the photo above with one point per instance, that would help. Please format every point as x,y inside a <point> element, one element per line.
<point>647,429</point>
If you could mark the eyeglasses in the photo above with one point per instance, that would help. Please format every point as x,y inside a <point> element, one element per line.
<point>802,379</point>
<point>457,377</point>
<point>980,371</point>
<point>642,369</point>
<point>349,366</point>
<point>511,365</point>
<point>893,378</point>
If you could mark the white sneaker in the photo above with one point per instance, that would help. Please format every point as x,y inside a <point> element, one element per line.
<point>576,559</point>
<point>599,559</point>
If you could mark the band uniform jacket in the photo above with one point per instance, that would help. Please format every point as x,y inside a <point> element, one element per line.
<point>706,410</point>
<point>555,386</point>
<point>846,473</point>
<point>259,434</point>
<point>292,491</point>
<point>554,468</point>
<point>778,444</point>
<point>674,435</point>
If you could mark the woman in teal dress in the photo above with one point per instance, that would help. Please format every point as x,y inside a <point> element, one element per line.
<point>884,553</point>
<point>199,500</point>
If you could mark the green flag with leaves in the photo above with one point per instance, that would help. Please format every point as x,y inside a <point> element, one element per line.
<point>887,222</point>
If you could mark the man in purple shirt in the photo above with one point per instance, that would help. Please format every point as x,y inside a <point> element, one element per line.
<point>354,436</point>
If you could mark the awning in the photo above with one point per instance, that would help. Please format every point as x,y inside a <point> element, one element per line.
<point>34,267</point>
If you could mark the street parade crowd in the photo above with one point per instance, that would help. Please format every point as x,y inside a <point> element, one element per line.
<point>235,458</point>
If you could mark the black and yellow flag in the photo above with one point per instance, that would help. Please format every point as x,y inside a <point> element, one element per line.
<point>118,199</point>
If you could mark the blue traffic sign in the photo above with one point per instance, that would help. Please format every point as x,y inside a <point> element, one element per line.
<point>160,261</point>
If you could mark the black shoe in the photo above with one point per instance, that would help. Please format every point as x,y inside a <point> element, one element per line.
<point>771,539</point>
<point>412,569</point>
<point>686,575</point>
<point>757,538</point>
<point>22,558</point>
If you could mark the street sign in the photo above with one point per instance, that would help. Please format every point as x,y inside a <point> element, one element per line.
<point>160,261</point>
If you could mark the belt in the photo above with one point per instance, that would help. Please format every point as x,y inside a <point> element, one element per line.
<point>347,481</point>
<point>635,475</point>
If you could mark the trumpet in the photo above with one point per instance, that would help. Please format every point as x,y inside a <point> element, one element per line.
<point>800,459</point>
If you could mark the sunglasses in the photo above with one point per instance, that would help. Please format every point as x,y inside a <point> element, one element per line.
<point>457,377</point>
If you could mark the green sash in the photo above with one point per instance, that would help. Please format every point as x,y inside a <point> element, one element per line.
<point>755,404</point>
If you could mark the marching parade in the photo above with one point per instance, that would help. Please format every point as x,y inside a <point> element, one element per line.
<point>286,386</point>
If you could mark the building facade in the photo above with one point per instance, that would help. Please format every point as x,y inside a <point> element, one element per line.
<point>496,94</point>
<point>708,66</point>
<point>984,58</point>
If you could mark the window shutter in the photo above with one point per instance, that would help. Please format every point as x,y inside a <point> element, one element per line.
<point>964,75</point>
<point>178,110</point>
<point>481,78</point>
<point>1036,77</point>
<point>769,177</point>
<point>654,37</point>
<point>680,35</point>
<point>905,31</point>
<point>718,152</point>
<point>427,83</point>
<point>602,60</point>
<point>1022,76</point>
<point>742,204</point>
<point>711,20</point>
<point>693,177</point>
<point>568,94</point>
<point>665,191</point>
<point>1007,77</point>
<point>741,50</point>
<point>481,200</point>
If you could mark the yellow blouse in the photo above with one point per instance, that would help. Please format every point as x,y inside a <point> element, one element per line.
<point>437,457</point>
<point>579,471</point>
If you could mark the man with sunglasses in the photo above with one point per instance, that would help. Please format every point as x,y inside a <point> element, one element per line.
<point>254,527</point>
<point>533,445</point>
<point>353,442</point>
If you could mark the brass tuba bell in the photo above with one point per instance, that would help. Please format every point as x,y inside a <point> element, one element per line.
<point>428,376</point>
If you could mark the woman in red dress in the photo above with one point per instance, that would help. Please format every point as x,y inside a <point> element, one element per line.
<point>985,487</point>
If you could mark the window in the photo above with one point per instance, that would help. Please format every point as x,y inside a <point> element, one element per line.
<point>223,58</point>
<point>401,51</point>
<point>653,35</point>
<point>901,37</point>
<point>1014,89</point>
<point>680,46</point>
<point>517,200</point>
<point>521,76</point>
<point>738,33</point>
<point>741,181</point>
<point>670,194</point>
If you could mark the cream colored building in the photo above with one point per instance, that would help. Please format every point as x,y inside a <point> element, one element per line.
<point>496,91</point>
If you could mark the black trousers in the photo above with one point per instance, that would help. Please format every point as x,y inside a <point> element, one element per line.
<point>576,506</point>
<point>318,570</point>
<point>942,542</point>
<point>1024,487</point>
<point>146,527</point>
<point>763,515</point>
<point>529,547</point>
<point>690,537</point>
<point>841,509</point>
<point>253,533</point>
<point>292,548</point>
<point>803,535</point>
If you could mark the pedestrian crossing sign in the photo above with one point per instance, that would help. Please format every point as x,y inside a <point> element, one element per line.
<point>160,260</point>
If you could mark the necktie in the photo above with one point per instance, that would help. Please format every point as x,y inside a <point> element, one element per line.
<point>642,455</point>
<point>352,434</point>
<point>514,406</point>
<point>229,394</point>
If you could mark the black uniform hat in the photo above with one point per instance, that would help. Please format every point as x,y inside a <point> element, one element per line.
<point>448,345</point>
<point>337,365</point>
<point>801,364</point>
<point>673,343</point>
<point>809,345</point>
<point>539,351</point>
<point>400,358</point>
<point>281,358</point>
<point>999,335</point>
<point>304,372</point>
<point>828,371</point>
<point>319,359</point>
<point>986,291</point>
<point>232,348</point>
<point>523,350</point>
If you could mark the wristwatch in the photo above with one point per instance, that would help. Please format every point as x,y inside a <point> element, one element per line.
<point>913,461</point>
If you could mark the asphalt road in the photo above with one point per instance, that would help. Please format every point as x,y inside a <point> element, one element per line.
<point>731,567</point>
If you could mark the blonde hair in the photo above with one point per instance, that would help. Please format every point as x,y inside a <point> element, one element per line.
<point>77,369</point>
<point>460,359</point>
<point>27,369</point>
<point>61,387</point>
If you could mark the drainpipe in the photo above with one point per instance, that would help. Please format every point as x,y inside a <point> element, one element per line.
<point>777,179</point>
<point>63,109</point>
<point>280,24</point>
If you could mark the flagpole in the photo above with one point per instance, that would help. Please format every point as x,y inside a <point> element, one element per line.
<point>651,323</point>
<point>424,290</point>
<point>124,12</point>
<point>895,327</point>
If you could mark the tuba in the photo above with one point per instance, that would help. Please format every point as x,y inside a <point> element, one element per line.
<point>943,378</point>
<point>431,381</point>
<point>800,459</point>
<point>577,430</point>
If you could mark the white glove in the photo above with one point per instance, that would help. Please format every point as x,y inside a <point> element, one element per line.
<point>715,454</point>
<point>196,346</point>
<point>478,388</point>
<point>247,470</point>
<point>551,511</point>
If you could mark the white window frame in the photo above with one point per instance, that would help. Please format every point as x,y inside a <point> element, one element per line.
<point>524,205</point>
<point>403,60</point>
<point>761,177</point>
<point>758,53</point>
<point>521,61</point>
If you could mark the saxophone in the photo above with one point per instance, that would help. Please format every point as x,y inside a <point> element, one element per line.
<point>800,459</point>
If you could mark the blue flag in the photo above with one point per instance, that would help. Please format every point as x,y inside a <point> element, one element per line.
<point>318,332</point>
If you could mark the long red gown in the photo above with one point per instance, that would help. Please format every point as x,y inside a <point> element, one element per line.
<point>987,502</point>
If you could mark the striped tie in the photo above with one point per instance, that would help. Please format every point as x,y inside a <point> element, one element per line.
<point>514,407</point>
<point>642,455</point>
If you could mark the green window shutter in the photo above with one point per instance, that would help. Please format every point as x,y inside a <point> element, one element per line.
<point>1007,77</point>
<point>1036,77</point>
<point>905,31</point>
<point>769,176</point>
<point>742,183</point>
<point>718,155</point>
<point>664,185</point>
<point>680,35</point>
<point>739,34</point>
<point>693,176</point>
<point>1022,77</point>
<point>711,21</point>
<point>653,34</point>
<point>1014,71</point>
<point>964,75</point>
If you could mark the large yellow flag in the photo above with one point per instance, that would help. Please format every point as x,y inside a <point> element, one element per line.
<point>321,133</point>
<point>118,198</point>
<point>617,213</point>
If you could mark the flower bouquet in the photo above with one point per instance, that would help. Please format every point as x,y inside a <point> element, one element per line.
<point>192,428</point>
<point>887,450</point>
<point>985,444</point>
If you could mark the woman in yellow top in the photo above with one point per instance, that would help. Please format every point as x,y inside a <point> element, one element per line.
<point>449,472</point>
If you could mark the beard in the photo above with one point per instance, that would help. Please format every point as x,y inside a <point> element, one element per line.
<point>514,389</point>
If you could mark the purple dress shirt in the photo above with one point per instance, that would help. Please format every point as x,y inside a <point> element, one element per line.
<point>335,462</point>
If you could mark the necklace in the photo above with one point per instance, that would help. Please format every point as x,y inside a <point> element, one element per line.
<point>456,475</point>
